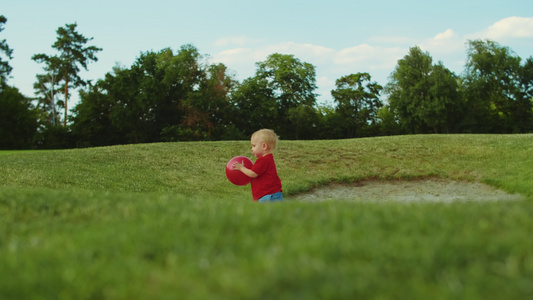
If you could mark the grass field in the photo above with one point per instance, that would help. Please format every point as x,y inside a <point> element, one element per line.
<point>161,221</point>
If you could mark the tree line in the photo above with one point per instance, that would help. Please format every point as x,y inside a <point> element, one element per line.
<point>169,96</point>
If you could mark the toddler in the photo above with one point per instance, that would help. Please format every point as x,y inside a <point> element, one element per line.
<point>266,184</point>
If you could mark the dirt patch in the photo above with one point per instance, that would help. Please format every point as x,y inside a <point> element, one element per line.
<point>408,191</point>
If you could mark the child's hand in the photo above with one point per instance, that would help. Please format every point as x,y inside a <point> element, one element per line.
<point>248,172</point>
<point>238,166</point>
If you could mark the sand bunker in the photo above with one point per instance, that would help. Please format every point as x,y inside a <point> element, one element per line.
<point>408,191</point>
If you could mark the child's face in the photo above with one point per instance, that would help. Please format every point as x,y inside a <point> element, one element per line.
<point>259,147</point>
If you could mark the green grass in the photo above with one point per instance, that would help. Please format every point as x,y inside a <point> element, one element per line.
<point>6,152</point>
<point>161,221</point>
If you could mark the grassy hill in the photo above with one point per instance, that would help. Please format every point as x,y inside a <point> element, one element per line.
<point>161,221</point>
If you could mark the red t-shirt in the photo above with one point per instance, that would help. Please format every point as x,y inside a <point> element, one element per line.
<point>267,181</point>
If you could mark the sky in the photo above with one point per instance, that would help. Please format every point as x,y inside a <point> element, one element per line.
<point>338,37</point>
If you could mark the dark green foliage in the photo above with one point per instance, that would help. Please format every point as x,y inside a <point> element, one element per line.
<point>497,89</point>
<point>254,106</point>
<point>388,122</point>
<point>280,96</point>
<point>425,97</point>
<point>55,137</point>
<point>357,99</point>
<point>18,120</point>
<point>92,120</point>
<point>162,97</point>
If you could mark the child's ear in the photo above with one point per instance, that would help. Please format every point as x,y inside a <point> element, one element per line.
<point>265,146</point>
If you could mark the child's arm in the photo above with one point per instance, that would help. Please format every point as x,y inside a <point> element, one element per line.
<point>245,170</point>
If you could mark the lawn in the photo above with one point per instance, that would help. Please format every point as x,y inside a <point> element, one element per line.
<point>161,221</point>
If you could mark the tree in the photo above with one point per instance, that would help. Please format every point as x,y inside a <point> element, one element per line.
<point>304,120</point>
<point>92,125</point>
<point>423,96</point>
<point>216,89</point>
<point>409,87</point>
<point>330,123</point>
<point>526,79</point>
<point>526,96</point>
<point>45,88</point>
<point>199,96</point>
<point>254,106</point>
<point>5,68</point>
<point>388,122</point>
<point>72,54</point>
<point>446,108</point>
<point>281,83</point>
<point>130,97</point>
<point>357,99</point>
<point>18,121</point>
<point>162,97</point>
<point>182,115</point>
<point>497,89</point>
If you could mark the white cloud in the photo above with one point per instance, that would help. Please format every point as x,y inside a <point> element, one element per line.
<point>512,27</point>
<point>515,27</point>
<point>240,59</point>
<point>446,35</point>
<point>364,58</point>
<point>233,56</point>
<point>444,43</point>
<point>235,51</point>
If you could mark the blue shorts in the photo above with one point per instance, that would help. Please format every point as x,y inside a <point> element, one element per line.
<point>271,198</point>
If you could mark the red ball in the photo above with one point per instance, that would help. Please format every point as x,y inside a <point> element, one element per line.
<point>235,176</point>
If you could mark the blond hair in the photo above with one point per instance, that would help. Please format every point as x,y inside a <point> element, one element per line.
<point>267,136</point>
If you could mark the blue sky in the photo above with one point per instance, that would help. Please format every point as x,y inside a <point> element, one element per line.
<point>338,37</point>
